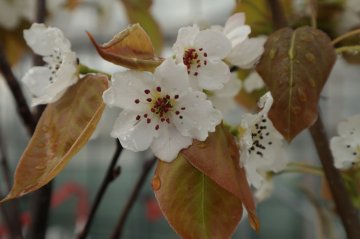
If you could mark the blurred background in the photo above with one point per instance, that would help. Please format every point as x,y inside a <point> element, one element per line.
<point>290,212</point>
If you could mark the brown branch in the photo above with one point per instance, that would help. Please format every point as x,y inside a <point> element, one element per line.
<point>21,105</point>
<point>277,13</point>
<point>148,165</point>
<point>10,211</point>
<point>348,214</point>
<point>112,173</point>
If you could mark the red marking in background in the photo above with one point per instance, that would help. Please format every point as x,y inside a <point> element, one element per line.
<point>153,211</point>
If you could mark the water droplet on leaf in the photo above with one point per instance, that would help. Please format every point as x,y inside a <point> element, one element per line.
<point>310,57</point>
<point>40,167</point>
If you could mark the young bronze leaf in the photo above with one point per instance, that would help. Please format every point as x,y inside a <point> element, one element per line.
<point>63,129</point>
<point>218,158</point>
<point>194,205</point>
<point>131,48</point>
<point>295,67</point>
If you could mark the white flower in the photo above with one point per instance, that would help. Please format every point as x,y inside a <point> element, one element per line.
<point>261,145</point>
<point>202,53</point>
<point>223,99</point>
<point>245,51</point>
<point>346,147</point>
<point>48,83</point>
<point>161,111</point>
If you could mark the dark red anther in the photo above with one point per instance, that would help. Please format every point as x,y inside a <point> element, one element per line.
<point>147,91</point>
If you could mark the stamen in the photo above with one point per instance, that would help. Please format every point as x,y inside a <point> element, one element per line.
<point>137,101</point>
<point>147,91</point>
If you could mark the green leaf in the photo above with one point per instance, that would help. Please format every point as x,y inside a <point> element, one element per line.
<point>295,67</point>
<point>63,129</point>
<point>131,48</point>
<point>139,12</point>
<point>194,205</point>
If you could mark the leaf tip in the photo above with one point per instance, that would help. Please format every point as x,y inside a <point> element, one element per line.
<point>254,221</point>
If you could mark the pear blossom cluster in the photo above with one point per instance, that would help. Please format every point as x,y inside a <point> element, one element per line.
<point>166,110</point>
<point>183,99</point>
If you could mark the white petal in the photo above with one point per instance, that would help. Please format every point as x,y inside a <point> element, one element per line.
<point>199,116</point>
<point>213,76</point>
<point>253,176</point>
<point>253,82</point>
<point>185,39</point>
<point>350,127</point>
<point>265,103</point>
<point>173,78</point>
<point>214,43</point>
<point>224,104</point>
<point>234,21</point>
<point>134,135</point>
<point>346,150</point>
<point>37,80</point>
<point>169,143</point>
<point>231,88</point>
<point>44,40</point>
<point>246,54</point>
<point>128,86</point>
<point>265,190</point>
<point>236,30</point>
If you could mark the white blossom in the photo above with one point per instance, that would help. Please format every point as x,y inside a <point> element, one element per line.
<point>48,83</point>
<point>346,147</point>
<point>202,52</point>
<point>261,145</point>
<point>245,51</point>
<point>160,110</point>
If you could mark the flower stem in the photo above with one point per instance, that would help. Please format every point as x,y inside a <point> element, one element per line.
<point>312,6</point>
<point>86,70</point>
<point>22,107</point>
<point>148,165</point>
<point>301,168</point>
<point>348,214</point>
<point>346,35</point>
<point>355,49</point>
<point>111,173</point>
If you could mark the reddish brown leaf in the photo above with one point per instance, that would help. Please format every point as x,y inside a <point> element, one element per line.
<point>218,158</point>
<point>63,129</point>
<point>131,48</point>
<point>295,67</point>
<point>194,205</point>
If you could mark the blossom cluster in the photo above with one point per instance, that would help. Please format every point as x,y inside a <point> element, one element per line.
<point>183,99</point>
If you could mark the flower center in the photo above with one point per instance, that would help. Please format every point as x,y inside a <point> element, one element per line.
<point>193,59</point>
<point>259,134</point>
<point>54,65</point>
<point>161,106</point>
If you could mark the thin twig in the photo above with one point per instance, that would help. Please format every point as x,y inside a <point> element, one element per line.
<point>41,200</point>
<point>21,105</point>
<point>345,35</point>
<point>112,173</point>
<point>347,212</point>
<point>10,211</point>
<point>277,13</point>
<point>148,165</point>
<point>313,11</point>
<point>354,49</point>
